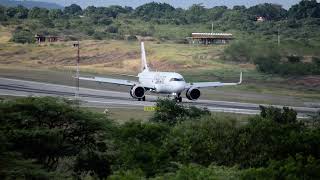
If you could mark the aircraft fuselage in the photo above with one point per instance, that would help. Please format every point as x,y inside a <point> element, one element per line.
<point>163,82</point>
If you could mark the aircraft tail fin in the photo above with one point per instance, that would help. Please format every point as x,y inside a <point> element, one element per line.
<point>144,65</point>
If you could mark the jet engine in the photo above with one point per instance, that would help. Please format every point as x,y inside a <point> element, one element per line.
<point>193,94</point>
<point>137,92</point>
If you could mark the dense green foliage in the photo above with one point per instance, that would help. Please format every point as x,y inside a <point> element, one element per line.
<point>193,171</point>
<point>305,9</point>
<point>23,36</point>
<point>171,113</point>
<point>154,11</point>
<point>296,167</point>
<point>141,147</point>
<point>274,65</point>
<point>96,20</point>
<point>30,4</point>
<point>48,138</point>
<point>52,137</point>
<point>272,59</point>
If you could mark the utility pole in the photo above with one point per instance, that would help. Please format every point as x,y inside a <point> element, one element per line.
<point>279,37</point>
<point>76,94</point>
<point>279,27</point>
<point>212,28</point>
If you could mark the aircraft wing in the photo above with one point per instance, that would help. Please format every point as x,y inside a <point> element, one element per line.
<point>213,84</point>
<point>110,81</point>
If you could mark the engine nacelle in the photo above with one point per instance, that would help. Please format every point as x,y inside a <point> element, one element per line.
<point>137,92</point>
<point>193,94</point>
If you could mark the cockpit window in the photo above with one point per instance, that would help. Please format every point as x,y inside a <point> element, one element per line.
<point>177,79</point>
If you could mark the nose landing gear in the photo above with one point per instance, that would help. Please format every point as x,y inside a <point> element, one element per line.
<point>177,97</point>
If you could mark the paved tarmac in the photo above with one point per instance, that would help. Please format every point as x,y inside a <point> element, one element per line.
<point>104,98</point>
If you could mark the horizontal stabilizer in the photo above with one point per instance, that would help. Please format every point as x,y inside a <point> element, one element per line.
<point>109,80</point>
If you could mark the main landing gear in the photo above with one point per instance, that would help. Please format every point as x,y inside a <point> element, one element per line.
<point>143,99</point>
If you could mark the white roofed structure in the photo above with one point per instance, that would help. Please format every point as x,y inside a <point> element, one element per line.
<point>210,38</point>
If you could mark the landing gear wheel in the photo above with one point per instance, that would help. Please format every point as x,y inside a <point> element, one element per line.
<point>144,98</point>
<point>139,99</point>
<point>178,99</point>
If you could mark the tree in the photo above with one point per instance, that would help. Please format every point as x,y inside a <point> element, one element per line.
<point>132,38</point>
<point>93,162</point>
<point>11,12</point>
<point>275,135</point>
<point>194,171</point>
<point>268,11</point>
<point>48,130</point>
<point>3,15</point>
<point>22,12</point>
<point>197,13</point>
<point>73,10</point>
<point>55,13</point>
<point>294,167</point>
<point>172,113</point>
<point>154,10</point>
<point>268,62</point>
<point>239,8</point>
<point>38,13</point>
<point>285,116</point>
<point>47,22</point>
<point>217,12</point>
<point>89,11</point>
<point>112,29</point>
<point>239,51</point>
<point>294,59</point>
<point>210,140</point>
<point>305,9</point>
<point>114,11</point>
<point>140,146</point>
<point>105,12</point>
<point>23,36</point>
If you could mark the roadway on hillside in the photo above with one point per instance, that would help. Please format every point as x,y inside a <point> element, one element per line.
<point>104,98</point>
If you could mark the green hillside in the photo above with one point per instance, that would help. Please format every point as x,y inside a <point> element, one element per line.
<point>30,4</point>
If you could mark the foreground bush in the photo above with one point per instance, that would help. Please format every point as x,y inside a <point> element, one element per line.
<point>47,131</point>
<point>294,168</point>
<point>140,145</point>
<point>49,138</point>
<point>205,141</point>
<point>171,112</point>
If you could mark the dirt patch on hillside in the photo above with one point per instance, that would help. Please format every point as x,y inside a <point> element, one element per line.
<point>308,81</point>
<point>89,59</point>
<point>165,65</point>
<point>5,34</point>
<point>247,66</point>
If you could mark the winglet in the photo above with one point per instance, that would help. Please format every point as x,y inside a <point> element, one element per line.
<point>240,81</point>
<point>144,65</point>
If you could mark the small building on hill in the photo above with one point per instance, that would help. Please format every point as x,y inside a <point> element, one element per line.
<point>42,39</point>
<point>210,38</point>
<point>260,19</point>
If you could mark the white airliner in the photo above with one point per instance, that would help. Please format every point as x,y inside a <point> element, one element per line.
<point>170,83</point>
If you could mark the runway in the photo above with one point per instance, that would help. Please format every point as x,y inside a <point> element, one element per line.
<point>105,99</point>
